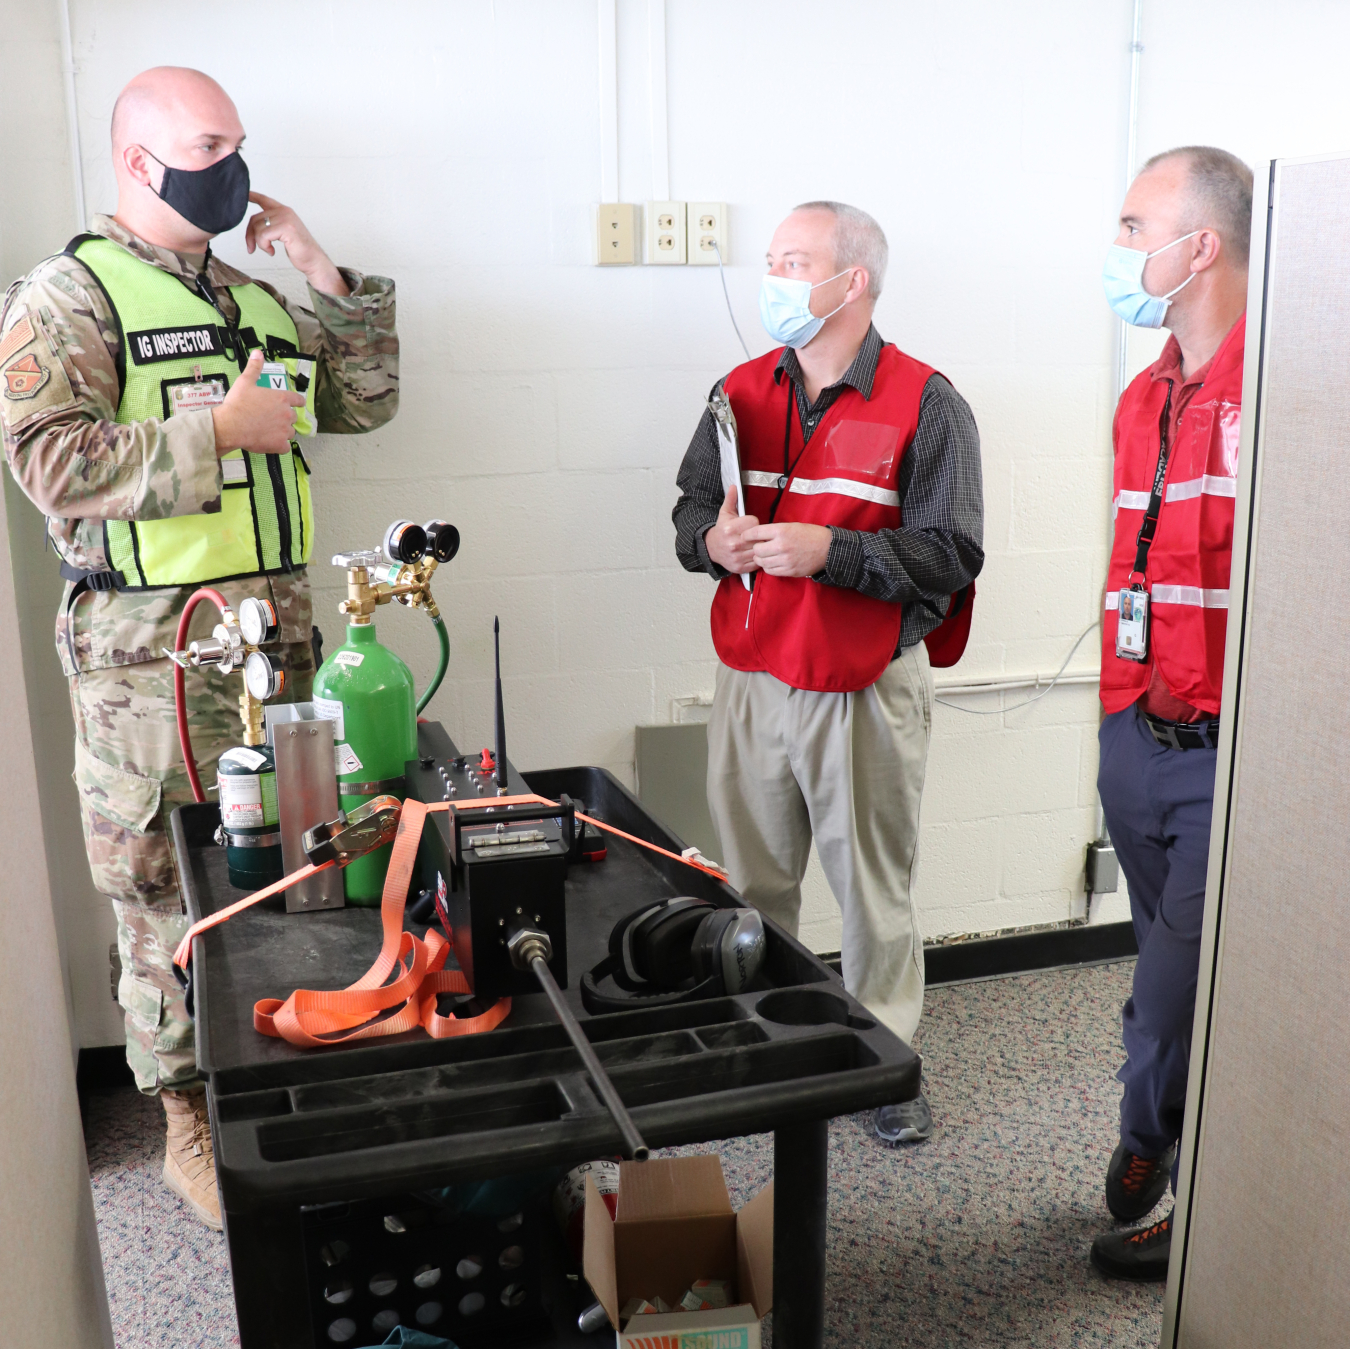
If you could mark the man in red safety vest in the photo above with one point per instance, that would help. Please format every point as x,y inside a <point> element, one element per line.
<point>1179,261</point>
<point>859,540</point>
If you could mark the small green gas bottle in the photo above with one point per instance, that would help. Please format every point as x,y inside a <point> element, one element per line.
<point>367,692</point>
<point>247,779</point>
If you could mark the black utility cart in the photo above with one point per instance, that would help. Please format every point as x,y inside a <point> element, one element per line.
<point>330,1160</point>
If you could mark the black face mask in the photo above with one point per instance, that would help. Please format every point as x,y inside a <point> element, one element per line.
<point>214,199</point>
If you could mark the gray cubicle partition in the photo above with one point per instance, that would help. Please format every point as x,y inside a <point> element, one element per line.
<point>1261,1255</point>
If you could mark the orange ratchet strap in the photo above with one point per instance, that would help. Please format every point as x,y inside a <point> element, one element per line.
<point>312,1019</point>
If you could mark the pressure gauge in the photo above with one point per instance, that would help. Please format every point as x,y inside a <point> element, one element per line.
<point>442,539</point>
<point>258,621</point>
<point>405,542</point>
<point>264,676</point>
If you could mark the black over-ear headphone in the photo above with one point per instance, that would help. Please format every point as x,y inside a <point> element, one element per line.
<point>676,951</point>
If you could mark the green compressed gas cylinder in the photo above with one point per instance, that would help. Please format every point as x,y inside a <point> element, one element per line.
<point>367,691</point>
<point>247,780</point>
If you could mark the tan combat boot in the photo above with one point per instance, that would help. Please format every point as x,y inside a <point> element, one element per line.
<point>190,1161</point>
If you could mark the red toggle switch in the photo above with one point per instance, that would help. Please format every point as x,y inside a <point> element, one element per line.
<point>487,763</point>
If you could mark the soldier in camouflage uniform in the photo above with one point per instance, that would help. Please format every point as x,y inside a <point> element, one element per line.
<point>60,386</point>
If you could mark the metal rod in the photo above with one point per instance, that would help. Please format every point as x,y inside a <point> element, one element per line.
<point>637,1149</point>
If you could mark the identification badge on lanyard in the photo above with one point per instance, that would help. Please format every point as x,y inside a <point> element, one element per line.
<point>190,395</point>
<point>1132,624</point>
<point>273,376</point>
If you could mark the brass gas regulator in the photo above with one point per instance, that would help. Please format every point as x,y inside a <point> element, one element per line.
<point>234,644</point>
<point>401,570</point>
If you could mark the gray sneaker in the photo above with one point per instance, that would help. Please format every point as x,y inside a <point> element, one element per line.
<point>908,1122</point>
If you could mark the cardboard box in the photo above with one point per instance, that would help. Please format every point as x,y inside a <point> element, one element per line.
<point>675,1224</point>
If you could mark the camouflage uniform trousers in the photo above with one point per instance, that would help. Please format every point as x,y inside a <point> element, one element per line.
<point>130,776</point>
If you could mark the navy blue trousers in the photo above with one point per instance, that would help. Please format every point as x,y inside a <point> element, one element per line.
<point>1158,804</point>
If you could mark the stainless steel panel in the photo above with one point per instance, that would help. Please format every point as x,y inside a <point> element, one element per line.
<point>306,794</point>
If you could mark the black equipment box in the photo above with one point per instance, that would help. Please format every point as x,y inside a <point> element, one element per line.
<point>493,869</point>
<point>305,1140</point>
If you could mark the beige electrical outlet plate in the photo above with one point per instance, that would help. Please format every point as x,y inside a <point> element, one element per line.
<point>667,241</point>
<point>708,223</point>
<point>616,234</point>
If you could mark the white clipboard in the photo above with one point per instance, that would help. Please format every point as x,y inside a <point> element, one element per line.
<point>729,444</point>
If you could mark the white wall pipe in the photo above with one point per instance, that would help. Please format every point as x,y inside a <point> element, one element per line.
<point>656,63</point>
<point>609,100</point>
<point>1131,154</point>
<point>1123,343</point>
<point>72,116</point>
<point>1014,682</point>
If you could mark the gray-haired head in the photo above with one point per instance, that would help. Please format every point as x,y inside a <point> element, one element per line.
<point>858,241</point>
<point>1218,197</point>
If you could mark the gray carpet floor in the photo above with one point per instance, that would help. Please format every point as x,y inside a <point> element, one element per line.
<point>976,1238</point>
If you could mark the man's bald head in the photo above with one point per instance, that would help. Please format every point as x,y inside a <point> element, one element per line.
<point>170,101</point>
<point>169,118</point>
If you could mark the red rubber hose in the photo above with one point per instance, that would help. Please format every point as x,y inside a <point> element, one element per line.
<point>180,684</point>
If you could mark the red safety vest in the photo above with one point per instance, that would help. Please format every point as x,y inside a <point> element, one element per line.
<point>1192,551</point>
<point>812,636</point>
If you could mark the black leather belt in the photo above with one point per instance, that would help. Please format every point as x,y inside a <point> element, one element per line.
<point>1183,734</point>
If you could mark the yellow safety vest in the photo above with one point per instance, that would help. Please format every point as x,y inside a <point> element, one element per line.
<point>178,352</point>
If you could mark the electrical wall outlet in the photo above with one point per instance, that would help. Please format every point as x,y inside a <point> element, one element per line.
<point>708,227</point>
<point>667,241</point>
<point>616,233</point>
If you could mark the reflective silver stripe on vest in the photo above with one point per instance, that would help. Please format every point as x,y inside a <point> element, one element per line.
<point>845,487</point>
<point>1130,501</point>
<point>1204,599</point>
<point>233,470</point>
<point>1208,485</point>
<point>810,487</point>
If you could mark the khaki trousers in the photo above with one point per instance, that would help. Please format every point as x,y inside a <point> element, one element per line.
<point>785,764</point>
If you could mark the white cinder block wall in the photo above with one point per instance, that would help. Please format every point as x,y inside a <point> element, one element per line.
<point>547,403</point>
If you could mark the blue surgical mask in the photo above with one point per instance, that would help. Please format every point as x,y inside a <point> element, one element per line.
<point>785,309</point>
<point>1123,279</point>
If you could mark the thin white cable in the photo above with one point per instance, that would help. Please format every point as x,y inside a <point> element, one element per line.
<point>1026,702</point>
<point>721,271</point>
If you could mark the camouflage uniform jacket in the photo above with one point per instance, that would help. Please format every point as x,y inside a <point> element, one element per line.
<point>79,466</point>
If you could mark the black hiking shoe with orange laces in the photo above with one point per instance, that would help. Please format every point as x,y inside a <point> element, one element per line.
<point>1140,1255</point>
<point>1134,1184</point>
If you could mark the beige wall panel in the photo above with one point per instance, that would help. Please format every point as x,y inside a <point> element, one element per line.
<point>1270,1217</point>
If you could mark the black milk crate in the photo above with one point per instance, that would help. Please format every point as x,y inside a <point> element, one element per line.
<point>413,1260</point>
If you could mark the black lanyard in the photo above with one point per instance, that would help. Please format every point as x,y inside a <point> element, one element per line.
<point>208,293</point>
<point>1149,526</point>
<point>788,468</point>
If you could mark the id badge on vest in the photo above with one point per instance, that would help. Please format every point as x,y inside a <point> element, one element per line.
<point>1132,625</point>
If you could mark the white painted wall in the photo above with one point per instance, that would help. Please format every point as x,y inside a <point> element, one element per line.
<point>547,403</point>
